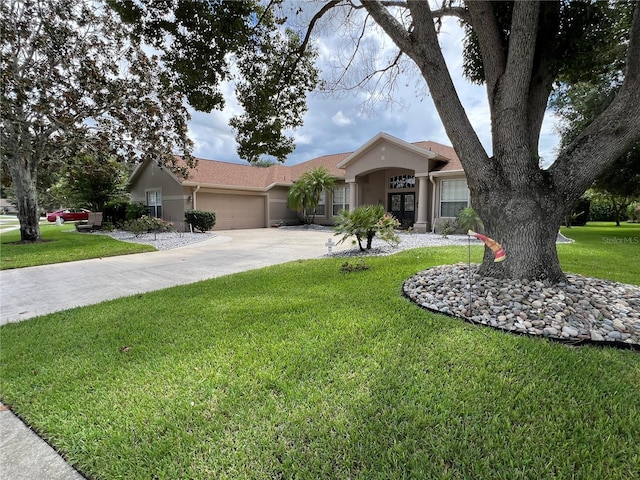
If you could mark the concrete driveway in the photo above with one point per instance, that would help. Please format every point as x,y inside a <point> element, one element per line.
<point>33,291</point>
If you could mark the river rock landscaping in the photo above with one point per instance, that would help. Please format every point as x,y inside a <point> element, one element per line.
<point>580,310</point>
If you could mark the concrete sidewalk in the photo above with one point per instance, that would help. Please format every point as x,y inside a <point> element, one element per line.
<point>34,291</point>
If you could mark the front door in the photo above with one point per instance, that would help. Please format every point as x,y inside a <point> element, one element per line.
<point>403,207</point>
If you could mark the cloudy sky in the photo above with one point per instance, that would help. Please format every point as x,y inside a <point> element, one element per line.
<point>344,121</point>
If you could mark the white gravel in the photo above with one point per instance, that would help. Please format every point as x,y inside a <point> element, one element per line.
<point>162,241</point>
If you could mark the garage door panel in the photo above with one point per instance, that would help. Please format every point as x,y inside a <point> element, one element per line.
<point>234,211</point>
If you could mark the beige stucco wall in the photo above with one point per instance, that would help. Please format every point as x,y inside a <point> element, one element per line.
<point>279,213</point>
<point>382,155</point>
<point>174,195</point>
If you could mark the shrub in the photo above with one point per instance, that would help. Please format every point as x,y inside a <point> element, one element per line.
<point>468,219</point>
<point>602,210</point>
<point>633,212</point>
<point>145,224</point>
<point>347,267</point>
<point>136,210</point>
<point>115,212</point>
<point>200,220</point>
<point>580,212</point>
<point>445,226</point>
<point>367,221</point>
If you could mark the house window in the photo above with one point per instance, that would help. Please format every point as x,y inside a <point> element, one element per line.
<point>454,196</point>
<point>321,209</point>
<point>154,203</point>
<point>402,181</point>
<point>340,199</point>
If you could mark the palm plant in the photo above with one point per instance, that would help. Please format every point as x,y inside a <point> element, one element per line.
<point>305,192</point>
<point>365,222</point>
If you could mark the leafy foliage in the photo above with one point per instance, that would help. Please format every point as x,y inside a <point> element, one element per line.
<point>115,212</point>
<point>272,94</point>
<point>136,210</point>
<point>146,224</point>
<point>359,266</point>
<point>305,192</point>
<point>74,80</point>
<point>93,180</point>
<point>366,222</point>
<point>206,43</point>
<point>579,101</point>
<point>468,219</point>
<point>580,212</point>
<point>200,219</point>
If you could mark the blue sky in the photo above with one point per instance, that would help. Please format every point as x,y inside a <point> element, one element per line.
<point>344,121</point>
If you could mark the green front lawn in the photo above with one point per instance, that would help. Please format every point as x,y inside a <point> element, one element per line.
<point>61,244</point>
<point>603,250</point>
<point>300,371</point>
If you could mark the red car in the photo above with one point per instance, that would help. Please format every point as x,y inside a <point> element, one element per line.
<point>69,215</point>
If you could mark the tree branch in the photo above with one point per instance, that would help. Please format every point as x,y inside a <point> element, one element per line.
<point>458,12</point>
<point>522,47</point>
<point>492,50</point>
<point>422,46</point>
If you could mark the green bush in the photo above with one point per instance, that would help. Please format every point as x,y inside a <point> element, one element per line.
<point>367,221</point>
<point>580,212</point>
<point>602,210</point>
<point>445,226</point>
<point>200,220</point>
<point>468,219</point>
<point>115,212</point>
<point>146,224</point>
<point>136,210</point>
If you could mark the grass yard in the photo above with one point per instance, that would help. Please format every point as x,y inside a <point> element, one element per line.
<point>300,371</point>
<point>603,250</point>
<point>61,244</point>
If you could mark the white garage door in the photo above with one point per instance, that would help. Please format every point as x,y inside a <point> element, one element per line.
<point>234,211</point>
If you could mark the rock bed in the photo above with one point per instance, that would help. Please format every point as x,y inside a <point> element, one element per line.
<point>162,241</point>
<point>582,309</point>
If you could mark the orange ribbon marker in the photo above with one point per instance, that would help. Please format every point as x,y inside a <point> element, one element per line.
<point>498,252</point>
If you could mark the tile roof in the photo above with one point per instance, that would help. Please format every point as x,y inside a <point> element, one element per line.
<point>218,173</point>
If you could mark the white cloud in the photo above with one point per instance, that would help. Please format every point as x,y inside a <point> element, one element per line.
<point>341,119</point>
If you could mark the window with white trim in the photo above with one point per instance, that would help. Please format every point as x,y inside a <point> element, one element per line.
<point>340,199</point>
<point>454,196</point>
<point>154,203</point>
<point>321,209</point>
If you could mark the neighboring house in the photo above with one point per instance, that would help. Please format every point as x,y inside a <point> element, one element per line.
<point>416,182</point>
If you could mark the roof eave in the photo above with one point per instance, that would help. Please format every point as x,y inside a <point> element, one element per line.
<point>390,138</point>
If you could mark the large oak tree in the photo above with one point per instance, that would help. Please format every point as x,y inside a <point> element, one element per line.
<point>73,80</point>
<point>518,49</point>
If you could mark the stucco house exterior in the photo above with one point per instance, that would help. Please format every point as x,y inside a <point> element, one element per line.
<point>417,182</point>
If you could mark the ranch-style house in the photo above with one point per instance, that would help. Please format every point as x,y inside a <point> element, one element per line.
<point>416,182</point>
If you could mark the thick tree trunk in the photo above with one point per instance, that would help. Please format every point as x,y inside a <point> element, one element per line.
<point>527,227</point>
<point>24,184</point>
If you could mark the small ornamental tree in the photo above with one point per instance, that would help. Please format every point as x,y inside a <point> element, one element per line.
<point>366,222</point>
<point>305,193</point>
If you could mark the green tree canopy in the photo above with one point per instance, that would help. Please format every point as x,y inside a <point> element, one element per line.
<point>91,180</point>
<point>72,76</point>
<point>206,43</point>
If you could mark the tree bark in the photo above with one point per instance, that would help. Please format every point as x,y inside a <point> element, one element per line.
<point>24,184</point>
